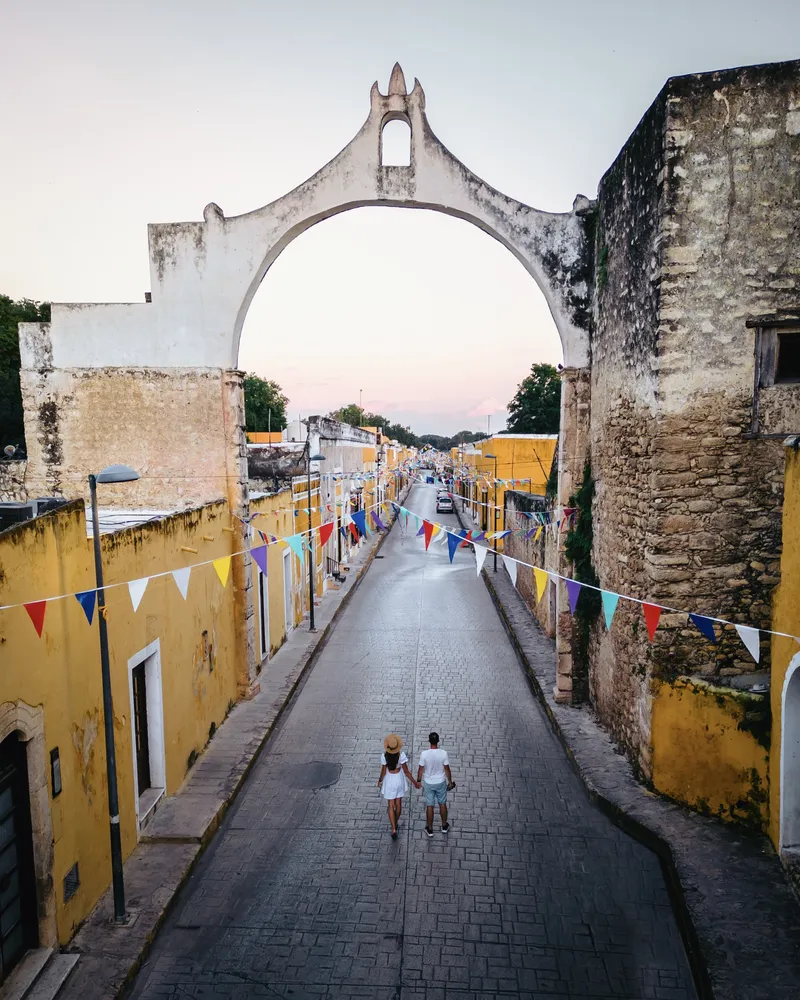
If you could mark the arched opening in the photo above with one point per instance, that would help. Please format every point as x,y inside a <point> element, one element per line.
<point>790,758</point>
<point>396,143</point>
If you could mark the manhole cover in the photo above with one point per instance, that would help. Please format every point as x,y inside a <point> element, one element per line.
<point>315,774</point>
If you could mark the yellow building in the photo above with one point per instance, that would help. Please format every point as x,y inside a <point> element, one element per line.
<point>784,825</point>
<point>521,462</point>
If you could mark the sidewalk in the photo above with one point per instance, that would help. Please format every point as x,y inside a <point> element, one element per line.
<point>185,823</point>
<point>738,915</point>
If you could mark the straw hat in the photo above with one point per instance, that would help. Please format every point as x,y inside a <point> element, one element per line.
<point>393,743</point>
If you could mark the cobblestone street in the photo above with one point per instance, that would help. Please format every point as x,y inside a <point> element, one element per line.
<point>533,893</point>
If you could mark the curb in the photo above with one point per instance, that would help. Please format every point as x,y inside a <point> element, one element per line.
<point>204,842</point>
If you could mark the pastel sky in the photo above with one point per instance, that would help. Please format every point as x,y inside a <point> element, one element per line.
<point>119,114</point>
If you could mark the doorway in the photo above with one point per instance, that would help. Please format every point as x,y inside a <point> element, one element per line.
<point>147,730</point>
<point>790,759</point>
<point>287,591</point>
<point>263,614</point>
<point>18,912</point>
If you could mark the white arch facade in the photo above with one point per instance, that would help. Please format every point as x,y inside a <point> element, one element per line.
<point>790,757</point>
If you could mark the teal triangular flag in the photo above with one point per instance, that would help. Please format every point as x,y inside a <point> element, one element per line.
<point>295,543</point>
<point>610,602</point>
<point>86,599</point>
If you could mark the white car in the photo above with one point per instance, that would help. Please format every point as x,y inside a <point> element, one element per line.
<point>444,504</point>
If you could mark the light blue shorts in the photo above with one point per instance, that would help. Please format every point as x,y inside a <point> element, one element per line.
<point>435,794</point>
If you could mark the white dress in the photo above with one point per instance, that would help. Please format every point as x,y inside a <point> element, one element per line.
<point>394,785</point>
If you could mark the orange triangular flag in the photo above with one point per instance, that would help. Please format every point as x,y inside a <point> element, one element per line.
<point>36,611</point>
<point>428,529</point>
<point>652,612</point>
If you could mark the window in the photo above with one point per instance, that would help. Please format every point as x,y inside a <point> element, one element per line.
<point>396,144</point>
<point>778,354</point>
<point>787,368</point>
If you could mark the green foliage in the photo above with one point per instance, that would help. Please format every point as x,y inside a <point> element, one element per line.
<point>264,404</point>
<point>578,549</point>
<point>12,429</point>
<point>357,417</point>
<point>602,268</point>
<point>536,406</point>
<point>442,443</point>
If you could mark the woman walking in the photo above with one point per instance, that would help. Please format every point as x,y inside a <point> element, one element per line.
<point>392,783</point>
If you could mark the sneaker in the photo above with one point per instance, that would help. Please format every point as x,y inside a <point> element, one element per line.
<point>446,828</point>
<point>394,834</point>
<point>429,830</point>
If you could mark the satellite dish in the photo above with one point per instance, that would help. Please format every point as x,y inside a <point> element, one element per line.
<point>10,450</point>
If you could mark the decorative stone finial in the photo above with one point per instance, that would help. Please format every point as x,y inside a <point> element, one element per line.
<point>212,210</point>
<point>397,82</point>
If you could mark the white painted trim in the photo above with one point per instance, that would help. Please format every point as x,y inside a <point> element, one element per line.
<point>288,611</point>
<point>794,663</point>
<point>151,656</point>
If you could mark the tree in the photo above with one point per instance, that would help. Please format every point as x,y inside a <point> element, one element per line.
<point>356,417</point>
<point>12,425</point>
<point>264,404</point>
<point>536,406</point>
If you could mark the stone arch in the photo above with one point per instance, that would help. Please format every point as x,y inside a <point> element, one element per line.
<point>28,722</point>
<point>790,757</point>
<point>209,272</point>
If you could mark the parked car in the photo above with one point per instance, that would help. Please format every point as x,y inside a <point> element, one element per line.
<point>444,504</point>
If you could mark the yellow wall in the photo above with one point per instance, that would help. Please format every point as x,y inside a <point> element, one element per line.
<point>706,754</point>
<point>518,457</point>
<point>264,437</point>
<point>275,517</point>
<point>60,671</point>
<point>785,618</point>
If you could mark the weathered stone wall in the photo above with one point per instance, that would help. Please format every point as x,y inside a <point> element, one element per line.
<point>698,229</point>
<point>13,480</point>
<point>539,551</point>
<point>623,407</point>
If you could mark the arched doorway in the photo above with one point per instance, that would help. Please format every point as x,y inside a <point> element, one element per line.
<point>790,758</point>
<point>18,909</point>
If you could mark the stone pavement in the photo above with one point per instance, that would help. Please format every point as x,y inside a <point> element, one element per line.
<point>184,823</point>
<point>533,894</point>
<point>739,914</point>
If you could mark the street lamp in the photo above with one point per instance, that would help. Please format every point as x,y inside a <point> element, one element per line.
<point>309,459</point>
<point>111,474</point>
<point>494,505</point>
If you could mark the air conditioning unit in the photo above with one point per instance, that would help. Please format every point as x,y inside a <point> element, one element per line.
<point>15,513</point>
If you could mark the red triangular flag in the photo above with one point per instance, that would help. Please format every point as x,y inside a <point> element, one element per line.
<point>325,531</point>
<point>353,530</point>
<point>652,612</point>
<point>36,611</point>
<point>428,529</point>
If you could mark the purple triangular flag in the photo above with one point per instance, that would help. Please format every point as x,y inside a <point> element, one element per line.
<point>259,554</point>
<point>573,591</point>
<point>421,530</point>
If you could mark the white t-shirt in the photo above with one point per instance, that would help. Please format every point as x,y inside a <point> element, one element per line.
<point>433,761</point>
<point>403,759</point>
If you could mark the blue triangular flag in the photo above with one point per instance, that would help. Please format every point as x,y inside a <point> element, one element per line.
<point>704,625</point>
<point>610,602</point>
<point>87,599</point>
<point>453,541</point>
<point>360,519</point>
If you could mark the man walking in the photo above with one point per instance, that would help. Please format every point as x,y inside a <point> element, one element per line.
<point>434,773</point>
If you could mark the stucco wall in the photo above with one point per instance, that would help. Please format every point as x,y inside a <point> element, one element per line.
<point>710,749</point>
<point>61,670</point>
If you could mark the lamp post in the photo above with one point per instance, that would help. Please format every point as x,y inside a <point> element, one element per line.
<point>309,459</point>
<point>111,474</point>
<point>494,506</point>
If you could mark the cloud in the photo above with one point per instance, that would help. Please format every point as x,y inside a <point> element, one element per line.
<point>486,408</point>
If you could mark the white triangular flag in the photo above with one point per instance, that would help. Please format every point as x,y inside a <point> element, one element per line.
<point>511,566</point>
<point>443,537</point>
<point>751,637</point>
<point>480,557</point>
<point>181,577</point>
<point>136,589</point>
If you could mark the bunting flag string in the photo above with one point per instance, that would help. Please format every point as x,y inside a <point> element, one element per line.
<point>259,554</point>
<point>511,567</point>
<point>325,532</point>
<point>705,626</point>
<point>573,593</point>
<point>222,567</point>
<point>652,613</point>
<point>481,552</point>
<point>610,602</point>
<point>453,541</point>
<point>751,637</point>
<point>541,579</point>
